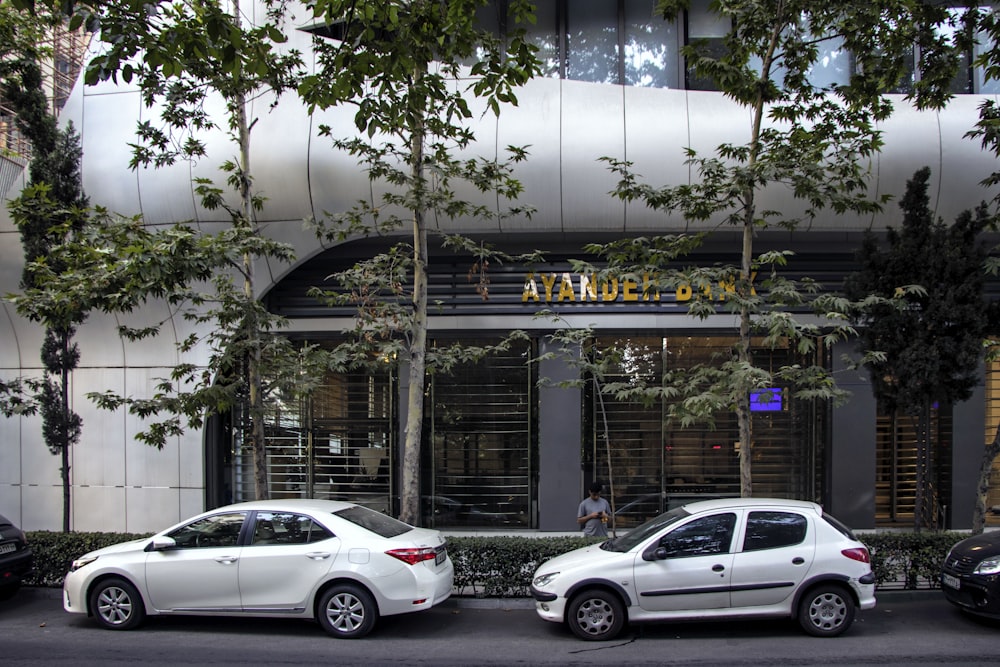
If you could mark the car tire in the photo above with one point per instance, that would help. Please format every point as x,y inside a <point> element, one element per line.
<point>347,611</point>
<point>116,604</point>
<point>7,592</point>
<point>826,611</point>
<point>595,615</point>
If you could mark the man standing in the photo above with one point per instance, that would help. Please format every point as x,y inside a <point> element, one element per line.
<point>594,512</point>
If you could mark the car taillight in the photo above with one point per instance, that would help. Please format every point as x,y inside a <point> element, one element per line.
<point>413,556</point>
<point>859,554</point>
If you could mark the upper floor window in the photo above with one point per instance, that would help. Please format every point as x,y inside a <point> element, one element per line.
<point>626,42</point>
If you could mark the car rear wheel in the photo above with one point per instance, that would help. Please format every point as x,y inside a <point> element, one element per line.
<point>117,605</point>
<point>347,611</point>
<point>595,615</point>
<point>826,611</point>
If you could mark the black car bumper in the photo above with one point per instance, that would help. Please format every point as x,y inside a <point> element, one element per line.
<point>976,594</point>
<point>15,567</point>
<point>542,597</point>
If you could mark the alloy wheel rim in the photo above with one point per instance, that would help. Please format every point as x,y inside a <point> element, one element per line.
<point>114,605</point>
<point>345,612</point>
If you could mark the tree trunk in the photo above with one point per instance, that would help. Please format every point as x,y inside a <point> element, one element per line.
<point>65,433</point>
<point>983,487</point>
<point>606,436</point>
<point>923,503</point>
<point>409,495</point>
<point>258,439</point>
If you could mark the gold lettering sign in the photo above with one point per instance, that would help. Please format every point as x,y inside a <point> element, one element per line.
<point>627,290</point>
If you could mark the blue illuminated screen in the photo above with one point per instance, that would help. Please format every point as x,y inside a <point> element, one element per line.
<point>766,400</point>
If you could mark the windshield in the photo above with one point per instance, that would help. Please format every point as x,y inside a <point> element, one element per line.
<point>639,534</point>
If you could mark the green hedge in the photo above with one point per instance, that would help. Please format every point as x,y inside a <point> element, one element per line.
<point>55,551</point>
<point>909,560</point>
<point>500,567</point>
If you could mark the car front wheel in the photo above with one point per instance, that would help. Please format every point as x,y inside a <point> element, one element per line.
<point>117,605</point>
<point>826,611</point>
<point>595,615</point>
<point>347,611</point>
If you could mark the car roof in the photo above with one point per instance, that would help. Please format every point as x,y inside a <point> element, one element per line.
<point>762,503</point>
<point>291,505</point>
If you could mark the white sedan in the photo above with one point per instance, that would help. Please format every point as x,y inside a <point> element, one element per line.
<point>339,563</point>
<point>730,558</point>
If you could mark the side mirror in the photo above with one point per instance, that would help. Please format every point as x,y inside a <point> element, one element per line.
<point>162,543</point>
<point>659,553</point>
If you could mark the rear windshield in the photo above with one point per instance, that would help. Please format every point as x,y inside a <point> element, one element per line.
<point>378,523</point>
<point>841,528</point>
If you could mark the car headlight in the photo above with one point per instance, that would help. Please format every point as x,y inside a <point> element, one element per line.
<point>544,580</point>
<point>83,561</point>
<point>988,566</point>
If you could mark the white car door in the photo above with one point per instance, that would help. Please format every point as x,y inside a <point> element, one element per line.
<point>689,566</point>
<point>200,573</point>
<point>777,551</point>
<point>287,556</point>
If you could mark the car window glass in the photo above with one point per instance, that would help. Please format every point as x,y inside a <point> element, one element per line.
<point>641,533</point>
<point>701,537</point>
<point>770,530</point>
<point>378,523</point>
<point>286,528</point>
<point>218,530</point>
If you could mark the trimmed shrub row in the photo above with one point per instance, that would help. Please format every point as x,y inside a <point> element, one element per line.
<point>499,567</point>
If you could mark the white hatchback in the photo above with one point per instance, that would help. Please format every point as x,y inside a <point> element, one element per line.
<point>714,559</point>
<point>339,563</point>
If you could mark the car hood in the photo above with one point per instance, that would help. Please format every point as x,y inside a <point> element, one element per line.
<point>132,545</point>
<point>590,557</point>
<point>979,546</point>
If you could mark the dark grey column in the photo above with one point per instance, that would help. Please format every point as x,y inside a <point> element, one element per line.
<point>559,438</point>
<point>850,459</point>
<point>968,442</point>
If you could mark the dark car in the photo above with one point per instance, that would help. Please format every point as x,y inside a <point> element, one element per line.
<point>15,558</point>
<point>970,574</point>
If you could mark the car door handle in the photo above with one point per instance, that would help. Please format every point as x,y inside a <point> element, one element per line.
<point>718,568</point>
<point>318,555</point>
<point>798,560</point>
<point>226,560</point>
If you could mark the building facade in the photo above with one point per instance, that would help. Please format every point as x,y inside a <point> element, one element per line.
<point>510,442</point>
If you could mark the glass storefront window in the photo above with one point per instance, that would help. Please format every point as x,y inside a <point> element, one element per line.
<point>479,466</point>
<point>657,465</point>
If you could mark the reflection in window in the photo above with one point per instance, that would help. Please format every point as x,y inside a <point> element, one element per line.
<point>702,537</point>
<point>833,66</point>
<point>287,528</point>
<point>219,530</point>
<point>592,42</point>
<point>651,54</point>
<point>708,31</point>
<point>770,530</point>
<point>545,35</point>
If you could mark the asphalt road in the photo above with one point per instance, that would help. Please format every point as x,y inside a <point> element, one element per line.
<point>904,629</point>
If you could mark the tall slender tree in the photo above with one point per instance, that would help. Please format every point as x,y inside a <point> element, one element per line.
<point>400,62</point>
<point>932,348</point>
<point>808,137</point>
<point>53,198</point>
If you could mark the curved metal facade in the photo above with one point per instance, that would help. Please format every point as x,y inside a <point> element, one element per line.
<point>568,125</point>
